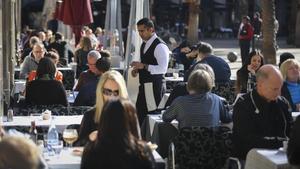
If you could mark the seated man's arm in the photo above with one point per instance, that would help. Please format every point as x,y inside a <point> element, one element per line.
<point>225,115</point>
<point>24,69</point>
<point>171,112</point>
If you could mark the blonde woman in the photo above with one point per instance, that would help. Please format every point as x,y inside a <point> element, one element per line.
<point>111,85</point>
<point>291,86</point>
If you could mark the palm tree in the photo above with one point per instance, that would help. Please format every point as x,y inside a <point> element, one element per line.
<point>297,27</point>
<point>194,8</point>
<point>243,8</point>
<point>268,30</point>
<point>292,22</point>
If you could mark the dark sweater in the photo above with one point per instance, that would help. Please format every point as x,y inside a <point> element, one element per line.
<point>45,92</point>
<point>242,79</point>
<point>85,78</point>
<point>262,129</point>
<point>87,94</point>
<point>293,150</point>
<point>220,66</point>
<point>87,126</point>
<point>113,155</point>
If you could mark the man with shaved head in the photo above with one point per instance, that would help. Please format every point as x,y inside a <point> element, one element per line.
<point>32,60</point>
<point>261,118</point>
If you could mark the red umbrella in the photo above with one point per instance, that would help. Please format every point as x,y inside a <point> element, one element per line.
<point>75,13</point>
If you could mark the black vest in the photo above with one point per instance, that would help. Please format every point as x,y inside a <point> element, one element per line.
<point>148,58</point>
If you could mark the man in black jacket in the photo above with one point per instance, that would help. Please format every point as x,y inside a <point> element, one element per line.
<point>261,118</point>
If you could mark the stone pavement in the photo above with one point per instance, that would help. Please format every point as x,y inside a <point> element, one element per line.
<point>223,46</point>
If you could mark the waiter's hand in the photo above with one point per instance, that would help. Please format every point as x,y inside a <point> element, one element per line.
<point>137,65</point>
<point>93,135</point>
<point>134,72</point>
<point>192,55</point>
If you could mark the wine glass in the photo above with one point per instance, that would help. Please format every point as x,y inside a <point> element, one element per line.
<point>70,136</point>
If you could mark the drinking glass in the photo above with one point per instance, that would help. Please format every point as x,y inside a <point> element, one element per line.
<point>70,136</point>
<point>57,148</point>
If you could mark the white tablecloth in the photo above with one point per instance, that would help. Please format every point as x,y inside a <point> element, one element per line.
<point>295,114</point>
<point>266,159</point>
<point>61,122</point>
<point>155,118</point>
<point>66,160</point>
<point>163,101</point>
<point>172,79</point>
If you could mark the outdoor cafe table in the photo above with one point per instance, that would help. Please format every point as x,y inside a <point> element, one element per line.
<point>171,82</point>
<point>295,115</point>
<point>68,160</point>
<point>266,159</point>
<point>155,130</point>
<point>61,122</point>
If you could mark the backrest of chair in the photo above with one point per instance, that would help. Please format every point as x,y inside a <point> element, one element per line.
<point>78,110</point>
<point>68,79</point>
<point>225,90</point>
<point>202,147</point>
<point>38,109</point>
<point>57,110</point>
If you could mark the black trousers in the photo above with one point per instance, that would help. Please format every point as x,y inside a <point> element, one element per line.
<point>245,49</point>
<point>159,88</point>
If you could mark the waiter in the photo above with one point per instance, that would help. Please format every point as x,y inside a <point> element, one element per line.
<point>154,55</point>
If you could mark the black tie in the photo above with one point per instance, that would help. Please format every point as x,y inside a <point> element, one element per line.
<point>142,48</point>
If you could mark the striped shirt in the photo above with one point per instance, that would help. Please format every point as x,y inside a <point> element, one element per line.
<point>197,110</point>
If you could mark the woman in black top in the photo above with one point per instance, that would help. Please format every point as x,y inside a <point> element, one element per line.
<point>81,55</point>
<point>118,144</point>
<point>45,90</point>
<point>245,78</point>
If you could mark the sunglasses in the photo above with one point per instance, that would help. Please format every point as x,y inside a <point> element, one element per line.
<point>109,92</point>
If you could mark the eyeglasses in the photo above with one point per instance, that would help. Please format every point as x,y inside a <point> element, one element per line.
<point>41,51</point>
<point>91,64</point>
<point>109,92</point>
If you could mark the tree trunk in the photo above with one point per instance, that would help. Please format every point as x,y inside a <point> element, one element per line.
<point>193,24</point>
<point>292,22</point>
<point>268,26</point>
<point>243,8</point>
<point>297,27</point>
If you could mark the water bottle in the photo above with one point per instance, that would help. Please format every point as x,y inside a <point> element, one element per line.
<point>52,138</point>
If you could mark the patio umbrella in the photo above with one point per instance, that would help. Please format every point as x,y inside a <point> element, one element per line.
<point>75,13</point>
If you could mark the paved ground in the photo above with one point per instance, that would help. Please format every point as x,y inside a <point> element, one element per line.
<point>223,46</point>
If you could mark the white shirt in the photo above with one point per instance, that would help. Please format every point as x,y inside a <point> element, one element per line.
<point>161,53</point>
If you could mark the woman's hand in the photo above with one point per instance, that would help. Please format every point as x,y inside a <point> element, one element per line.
<point>93,135</point>
<point>251,69</point>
